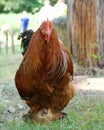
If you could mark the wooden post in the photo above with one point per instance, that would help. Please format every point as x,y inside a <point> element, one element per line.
<point>6,33</point>
<point>12,43</point>
<point>7,30</point>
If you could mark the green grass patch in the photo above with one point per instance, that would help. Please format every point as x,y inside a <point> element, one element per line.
<point>84,115</point>
<point>9,62</point>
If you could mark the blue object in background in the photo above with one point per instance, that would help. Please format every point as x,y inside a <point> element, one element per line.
<point>24,22</point>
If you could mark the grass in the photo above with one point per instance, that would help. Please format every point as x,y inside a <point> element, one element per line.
<point>9,62</point>
<point>82,115</point>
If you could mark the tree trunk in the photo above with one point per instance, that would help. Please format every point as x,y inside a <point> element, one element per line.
<point>86,31</point>
<point>100,31</point>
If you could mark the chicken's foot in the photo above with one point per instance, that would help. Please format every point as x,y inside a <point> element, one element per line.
<point>63,115</point>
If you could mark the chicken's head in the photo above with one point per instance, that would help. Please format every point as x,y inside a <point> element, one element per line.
<point>46,30</point>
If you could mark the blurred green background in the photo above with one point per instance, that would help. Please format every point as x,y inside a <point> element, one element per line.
<point>17,6</point>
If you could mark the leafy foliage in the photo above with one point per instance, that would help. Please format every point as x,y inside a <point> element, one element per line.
<point>2,5</point>
<point>18,6</point>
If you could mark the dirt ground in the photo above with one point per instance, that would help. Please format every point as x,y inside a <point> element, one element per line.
<point>88,83</point>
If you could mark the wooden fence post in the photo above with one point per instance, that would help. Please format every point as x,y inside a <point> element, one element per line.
<point>7,30</point>
<point>12,36</point>
<point>6,34</point>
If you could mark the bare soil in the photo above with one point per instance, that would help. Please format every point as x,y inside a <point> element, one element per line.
<point>88,83</point>
<point>87,86</point>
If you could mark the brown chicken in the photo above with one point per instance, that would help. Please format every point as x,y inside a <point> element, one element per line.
<point>44,76</point>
